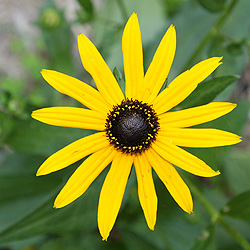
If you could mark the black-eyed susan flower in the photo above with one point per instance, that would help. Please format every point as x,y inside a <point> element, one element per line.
<point>134,129</point>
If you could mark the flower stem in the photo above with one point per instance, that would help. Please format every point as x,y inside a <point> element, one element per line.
<point>242,241</point>
<point>212,32</point>
<point>217,217</point>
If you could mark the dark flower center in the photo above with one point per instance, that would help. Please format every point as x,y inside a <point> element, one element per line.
<point>132,126</point>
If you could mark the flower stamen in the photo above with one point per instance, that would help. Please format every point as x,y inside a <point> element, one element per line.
<point>132,126</point>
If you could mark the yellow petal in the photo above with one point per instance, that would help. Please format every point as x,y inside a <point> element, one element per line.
<point>160,66</point>
<point>104,79</point>
<point>84,175</point>
<point>182,158</point>
<point>132,57</point>
<point>146,189</point>
<point>172,180</point>
<point>71,117</point>
<point>112,193</point>
<point>74,152</point>
<point>194,116</point>
<point>184,84</point>
<point>198,138</point>
<point>76,89</point>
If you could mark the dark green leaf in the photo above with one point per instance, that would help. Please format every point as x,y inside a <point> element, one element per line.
<point>207,91</point>
<point>34,215</point>
<point>86,5</point>
<point>134,241</point>
<point>37,138</point>
<point>119,78</point>
<point>6,126</point>
<point>19,187</point>
<point>180,233</point>
<point>86,13</point>
<point>232,122</point>
<point>172,6</point>
<point>213,5</point>
<point>165,84</point>
<point>140,237</point>
<point>235,121</point>
<point>207,240</point>
<point>239,207</point>
<point>21,196</point>
<point>235,49</point>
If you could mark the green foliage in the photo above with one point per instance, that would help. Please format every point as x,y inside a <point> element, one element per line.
<point>237,171</point>
<point>57,36</point>
<point>27,217</point>
<point>207,240</point>
<point>213,5</point>
<point>87,11</point>
<point>239,207</point>
<point>34,137</point>
<point>172,6</point>
<point>119,77</point>
<point>207,91</point>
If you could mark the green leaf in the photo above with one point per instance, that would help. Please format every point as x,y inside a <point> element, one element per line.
<point>36,138</point>
<point>165,84</point>
<point>207,240</point>
<point>20,196</point>
<point>237,171</point>
<point>119,78</point>
<point>172,6</point>
<point>239,207</point>
<point>13,86</point>
<point>57,37</point>
<point>6,126</point>
<point>139,236</point>
<point>86,5</point>
<point>138,242</point>
<point>86,13</point>
<point>217,46</point>
<point>19,187</point>
<point>213,5</point>
<point>233,122</point>
<point>207,91</point>
<point>33,215</point>
<point>236,48</point>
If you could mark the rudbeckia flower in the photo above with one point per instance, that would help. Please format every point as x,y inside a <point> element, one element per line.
<point>136,128</point>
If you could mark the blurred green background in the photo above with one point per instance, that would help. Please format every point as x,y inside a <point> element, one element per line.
<point>42,34</point>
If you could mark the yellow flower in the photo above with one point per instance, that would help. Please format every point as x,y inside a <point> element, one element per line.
<point>134,129</point>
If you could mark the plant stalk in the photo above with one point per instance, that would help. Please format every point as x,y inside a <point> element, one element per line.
<point>217,217</point>
<point>212,32</point>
